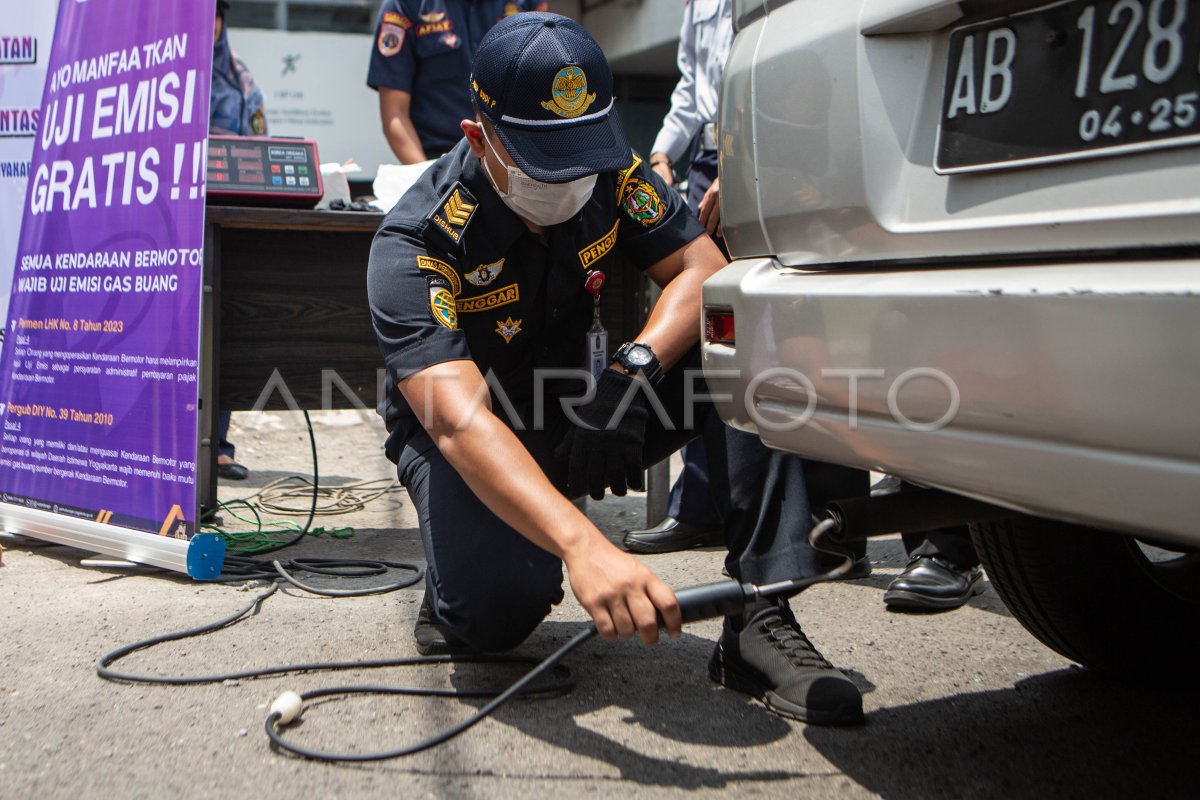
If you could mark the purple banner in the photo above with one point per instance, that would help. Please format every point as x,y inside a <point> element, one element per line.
<point>98,382</point>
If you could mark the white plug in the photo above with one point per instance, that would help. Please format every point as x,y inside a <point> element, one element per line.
<point>288,706</point>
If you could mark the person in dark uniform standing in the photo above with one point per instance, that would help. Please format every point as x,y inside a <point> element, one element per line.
<point>420,65</point>
<point>693,519</point>
<point>502,401</point>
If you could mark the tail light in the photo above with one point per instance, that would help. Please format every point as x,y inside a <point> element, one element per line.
<point>718,326</point>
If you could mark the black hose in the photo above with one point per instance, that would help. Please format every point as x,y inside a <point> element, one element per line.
<point>564,683</point>
<point>433,741</point>
<point>321,567</point>
<point>695,603</point>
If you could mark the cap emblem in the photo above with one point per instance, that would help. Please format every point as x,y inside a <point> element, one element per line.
<point>568,94</point>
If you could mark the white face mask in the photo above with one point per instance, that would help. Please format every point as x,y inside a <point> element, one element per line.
<point>541,203</point>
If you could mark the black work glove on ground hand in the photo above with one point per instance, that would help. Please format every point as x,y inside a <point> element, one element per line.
<point>611,452</point>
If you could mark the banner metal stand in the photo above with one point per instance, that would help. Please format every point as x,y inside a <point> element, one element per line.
<point>202,557</point>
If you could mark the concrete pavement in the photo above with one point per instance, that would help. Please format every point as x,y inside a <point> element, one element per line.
<point>962,704</point>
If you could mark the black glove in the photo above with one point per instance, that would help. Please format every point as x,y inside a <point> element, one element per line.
<point>610,452</point>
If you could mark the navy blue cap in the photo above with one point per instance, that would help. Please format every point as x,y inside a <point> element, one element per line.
<point>547,89</point>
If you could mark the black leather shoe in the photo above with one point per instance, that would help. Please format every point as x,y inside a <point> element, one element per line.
<point>933,584</point>
<point>431,638</point>
<point>764,653</point>
<point>671,535</point>
<point>233,471</point>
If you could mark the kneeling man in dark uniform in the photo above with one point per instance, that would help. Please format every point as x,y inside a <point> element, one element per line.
<point>485,282</point>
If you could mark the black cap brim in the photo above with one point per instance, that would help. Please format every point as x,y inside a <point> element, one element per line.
<point>557,154</point>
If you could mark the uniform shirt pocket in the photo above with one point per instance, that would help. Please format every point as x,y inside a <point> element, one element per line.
<point>437,43</point>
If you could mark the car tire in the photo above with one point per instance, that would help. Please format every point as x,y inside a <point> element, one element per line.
<point>1094,596</point>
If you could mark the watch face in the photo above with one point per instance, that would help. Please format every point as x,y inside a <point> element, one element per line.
<point>638,356</point>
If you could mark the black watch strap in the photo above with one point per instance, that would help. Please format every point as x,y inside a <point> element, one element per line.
<point>635,357</point>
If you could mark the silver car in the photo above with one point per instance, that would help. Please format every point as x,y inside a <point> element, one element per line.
<point>967,252</point>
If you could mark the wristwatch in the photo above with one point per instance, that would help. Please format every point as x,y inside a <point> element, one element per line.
<point>670,167</point>
<point>635,357</point>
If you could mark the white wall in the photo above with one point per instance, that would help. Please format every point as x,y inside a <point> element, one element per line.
<point>638,36</point>
<point>323,96</point>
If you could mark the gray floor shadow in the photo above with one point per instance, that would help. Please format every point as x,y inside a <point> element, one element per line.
<point>1067,733</point>
<point>663,690</point>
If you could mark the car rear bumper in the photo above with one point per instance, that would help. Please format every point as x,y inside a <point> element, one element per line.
<point>1067,391</point>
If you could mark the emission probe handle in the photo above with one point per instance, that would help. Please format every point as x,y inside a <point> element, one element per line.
<point>712,600</point>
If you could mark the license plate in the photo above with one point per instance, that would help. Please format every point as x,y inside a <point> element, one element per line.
<point>1069,81</point>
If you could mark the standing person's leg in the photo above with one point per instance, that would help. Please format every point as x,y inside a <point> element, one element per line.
<point>487,586</point>
<point>693,518</point>
<point>227,466</point>
<point>942,573</point>
<point>952,544</point>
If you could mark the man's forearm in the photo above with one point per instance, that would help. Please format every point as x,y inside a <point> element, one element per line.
<point>673,327</point>
<point>402,138</point>
<point>398,127</point>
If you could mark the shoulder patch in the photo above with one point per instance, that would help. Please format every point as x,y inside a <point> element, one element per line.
<point>391,34</point>
<point>643,204</point>
<point>486,302</point>
<point>484,274</point>
<point>441,268</point>
<point>599,248</point>
<point>625,176</point>
<point>442,305</point>
<point>453,213</point>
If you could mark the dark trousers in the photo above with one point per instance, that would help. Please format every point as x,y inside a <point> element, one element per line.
<point>691,497</point>
<point>491,586</point>
<point>701,174</point>
<point>224,446</point>
<point>953,544</point>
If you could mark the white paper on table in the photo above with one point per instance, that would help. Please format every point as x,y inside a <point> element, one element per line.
<point>393,180</point>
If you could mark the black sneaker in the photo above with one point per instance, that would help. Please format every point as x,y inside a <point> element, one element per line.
<point>765,654</point>
<point>431,638</point>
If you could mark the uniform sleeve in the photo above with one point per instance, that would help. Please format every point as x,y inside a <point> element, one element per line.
<point>412,309</point>
<point>654,220</point>
<point>682,121</point>
<point>393,55</point>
